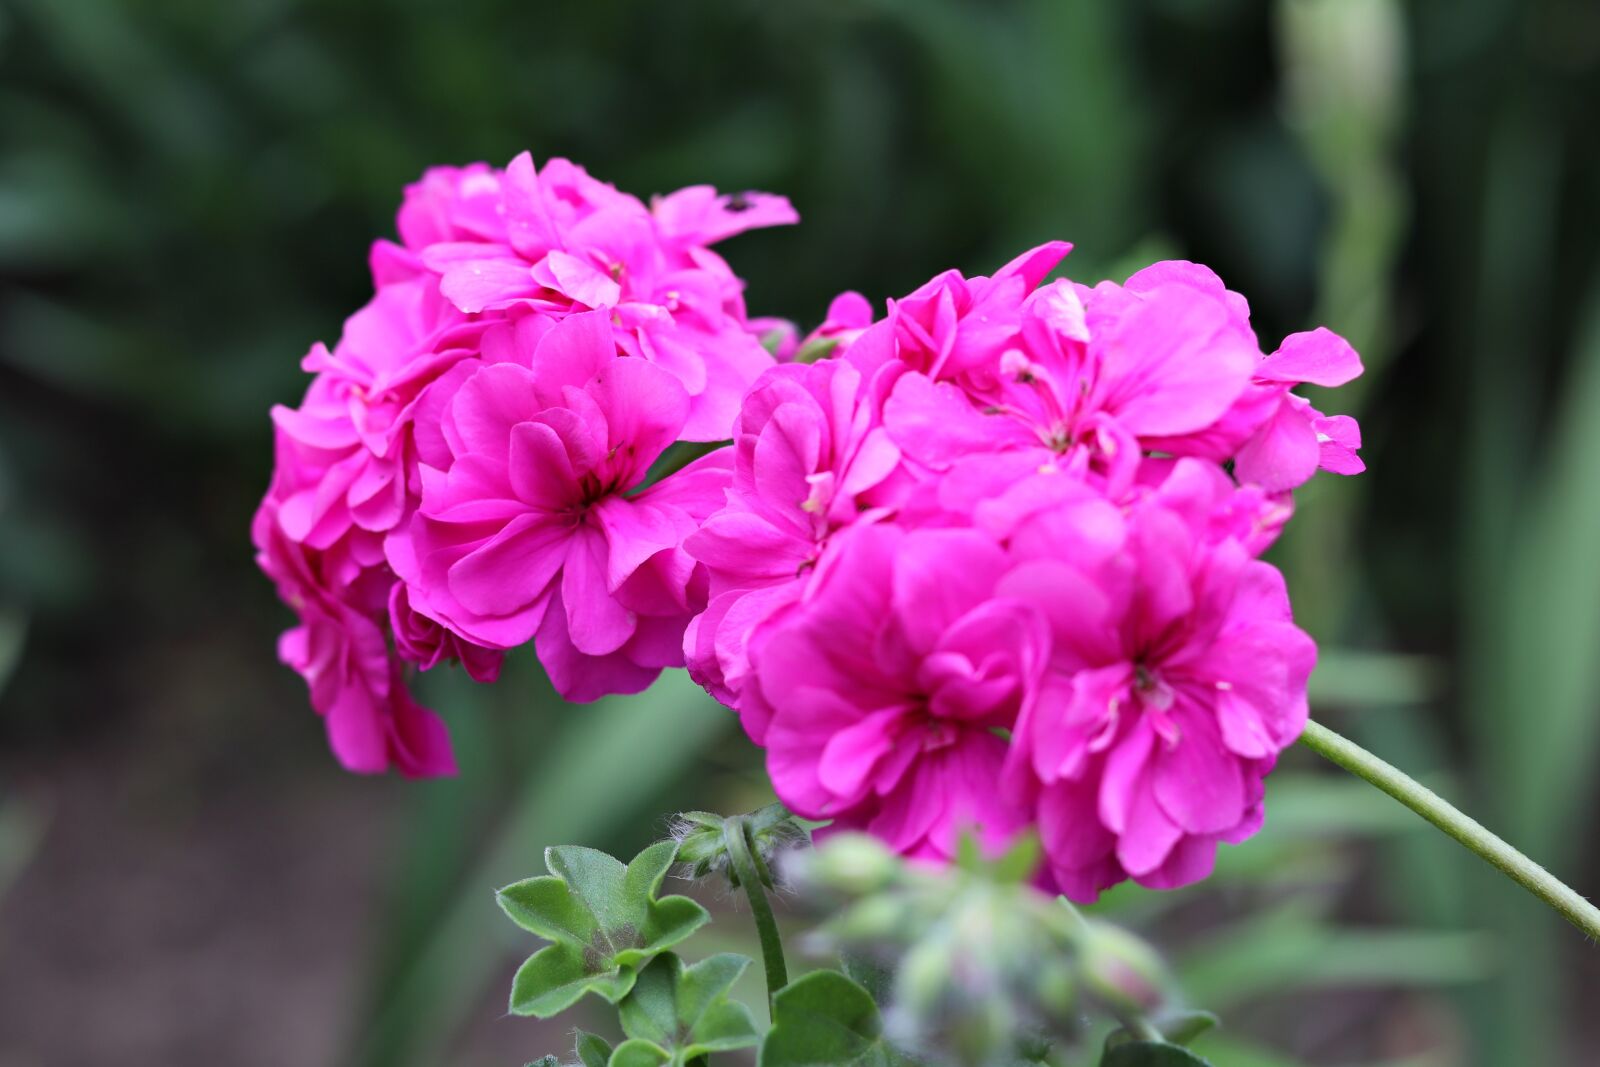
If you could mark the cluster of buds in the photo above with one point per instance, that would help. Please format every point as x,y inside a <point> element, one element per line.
<point>978,966</point>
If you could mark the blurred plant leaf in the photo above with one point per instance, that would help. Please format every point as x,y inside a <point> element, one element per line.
<point>1349,679</point>
<point>1289,949</point>
<point>13,636</point>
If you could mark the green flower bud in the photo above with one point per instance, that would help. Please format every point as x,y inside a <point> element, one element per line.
<point>1122,970</point>
<point>703,848</point>
<point>851,864</point>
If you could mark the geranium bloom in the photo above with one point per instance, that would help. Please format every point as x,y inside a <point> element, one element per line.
<point>1087,375</point>
<point>560,242</point>
<point>533,530</point>
<point>1177,676</point>
<point>810,456</point>
<point>487,256</point>
<point>339,648</point>
<point>890,688</point>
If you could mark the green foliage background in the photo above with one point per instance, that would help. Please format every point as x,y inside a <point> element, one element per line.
<point>187,189</point>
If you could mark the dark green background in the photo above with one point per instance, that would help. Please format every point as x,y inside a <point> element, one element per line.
<point>187,189</point>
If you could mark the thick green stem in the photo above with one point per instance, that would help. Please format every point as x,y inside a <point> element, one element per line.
<point>1428,804</point>
<point>747,866</point>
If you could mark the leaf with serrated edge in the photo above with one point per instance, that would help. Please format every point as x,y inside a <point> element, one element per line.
<point>686,1010</point>
<point>604,920</point>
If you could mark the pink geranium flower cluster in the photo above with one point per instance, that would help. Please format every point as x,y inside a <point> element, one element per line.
<point>993,565</point>
<point>989,564</point>
<point>458,479</point>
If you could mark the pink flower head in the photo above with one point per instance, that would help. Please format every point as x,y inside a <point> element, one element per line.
<point>954,326</point>
<point>561,242</point>
<point>339,649</point>
<point>810,457</point>
<point>423,641</point>
<point>1089,379</point>
<point>892,684</point>
<point>1293,438</point>
<point>1276,439</point>
<point>534,529</point>
<point>1177,676</point>
<point>356,416</point>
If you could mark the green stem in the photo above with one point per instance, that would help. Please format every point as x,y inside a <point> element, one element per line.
<point>1431,806</point>
<point>745,865</point>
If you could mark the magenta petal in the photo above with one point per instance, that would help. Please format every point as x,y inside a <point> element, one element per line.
<point>1191,860</point>
<point>1319,356</point>
<point>851,754</point>
<point>510,571</point>
<point>1282,454</point>
<point>596,623</point>
<point>1199,784</point>
<point>939,576</point>
<point>474,285</point>
<point>635,530</point>
<point>1035,264</point>
<point>745,546</point>
<point>1149,835</point>
<point>575,350</point>
<point>937,424</point>
<point>487,406</point>
<point>572,277</point>
<point>579,677</point>
<point>1124,769</point>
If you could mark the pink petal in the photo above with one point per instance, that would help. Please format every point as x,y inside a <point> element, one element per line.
<point>510,571</point>
<point>596,623</point>
<point>1319,356</point>
<point>1282,454</point>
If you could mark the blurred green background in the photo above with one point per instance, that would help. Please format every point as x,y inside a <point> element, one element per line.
<point>187,190</point>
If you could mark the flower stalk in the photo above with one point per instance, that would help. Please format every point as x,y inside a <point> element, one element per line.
<point>1466,830</point>
<point>749,870</point>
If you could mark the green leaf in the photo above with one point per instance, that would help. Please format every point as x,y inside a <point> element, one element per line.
<point>685,1012</point>
<point>592,1050</point>
<point>824,1017</point>
<point>603,920</point>
<point>1151,1054</point>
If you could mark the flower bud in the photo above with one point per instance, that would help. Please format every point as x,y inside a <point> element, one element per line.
<point>1121,969</point>
<point>703,845</point>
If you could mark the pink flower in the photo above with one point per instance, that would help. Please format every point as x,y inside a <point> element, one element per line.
<point>1294,438</point>
<point>810,457</point>
<point>891,685</point>
<point>1086,379</point>
<point>533,529</point>
<point>560,242</point>
<point>423,641</point>
<point>954,326</point>
<point>1177,676</point>
<point>339,648</point>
